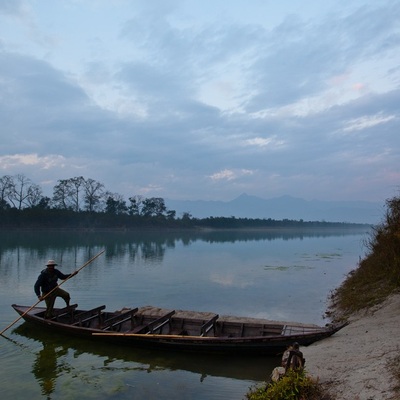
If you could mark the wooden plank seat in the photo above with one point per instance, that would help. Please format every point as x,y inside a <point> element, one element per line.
<point>178,328</point>
<point>207,326</point>
<point>62,312</point>
<point>155,325</point>
<point>222,329</point>
<point>298,330</point>
<point>115,322</point>
<point>87,316</point>
<point>273,330</point>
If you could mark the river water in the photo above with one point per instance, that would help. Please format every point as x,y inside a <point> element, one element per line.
<point>281,275</point>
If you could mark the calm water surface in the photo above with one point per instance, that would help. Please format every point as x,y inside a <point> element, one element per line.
<point>284,276</point>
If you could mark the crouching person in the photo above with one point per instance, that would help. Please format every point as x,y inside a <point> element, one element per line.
<point>292,358</point>
<point>296,359</point>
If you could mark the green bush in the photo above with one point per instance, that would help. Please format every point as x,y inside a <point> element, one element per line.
<point>295,385</point>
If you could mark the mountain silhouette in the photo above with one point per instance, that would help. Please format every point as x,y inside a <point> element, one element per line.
<point>283,207</point>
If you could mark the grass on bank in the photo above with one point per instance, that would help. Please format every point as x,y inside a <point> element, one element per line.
<point>295,385</point>
<point>376,277</point>
<point>378,274</point>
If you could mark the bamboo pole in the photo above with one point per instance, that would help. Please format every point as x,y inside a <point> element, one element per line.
<point>51,291</point>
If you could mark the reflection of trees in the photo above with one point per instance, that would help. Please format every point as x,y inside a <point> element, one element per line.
<point>153,251</point>
<point>146,245</point>
<point>113,240</point>
<point>148,250</point>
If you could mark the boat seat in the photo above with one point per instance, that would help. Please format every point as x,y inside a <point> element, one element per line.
<point>87,316</point>
<point>272,330</point>
<point>155,325</point>
<point>62,312</point>
<point>207,326</point>
<point>116,321</point>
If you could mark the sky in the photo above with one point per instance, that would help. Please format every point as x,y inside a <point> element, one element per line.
<point>203,100</point>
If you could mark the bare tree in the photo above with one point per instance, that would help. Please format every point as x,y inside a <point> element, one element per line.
<point>21,191</point>
<point>76,187</point>
<point>68,193</point>
<point>94,193</point>
<point>6,191</point>
<point>35,195</point>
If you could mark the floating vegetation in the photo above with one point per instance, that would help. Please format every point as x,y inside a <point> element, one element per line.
<point>329,255</point>
<point>286,267</point>
<point>321,256</point>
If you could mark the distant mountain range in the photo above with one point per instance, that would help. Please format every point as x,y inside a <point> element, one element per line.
<point>284,207</point>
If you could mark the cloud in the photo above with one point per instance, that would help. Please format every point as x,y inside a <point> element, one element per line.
<point>229,175</point>
<point>26,160</point>
<point>367,122</point>
<point>265,142</point>
<point>33,85</point>
<point>166,98</point>
<point>299,57</point>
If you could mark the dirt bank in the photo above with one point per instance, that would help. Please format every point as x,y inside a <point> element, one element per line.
<point>353,363</point>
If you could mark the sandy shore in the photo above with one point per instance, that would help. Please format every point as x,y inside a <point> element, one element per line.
<point>353,362</point>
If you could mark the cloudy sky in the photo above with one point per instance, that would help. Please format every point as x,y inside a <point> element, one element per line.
<point>189,99</point>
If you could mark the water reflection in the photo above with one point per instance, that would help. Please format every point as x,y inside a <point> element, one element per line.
<point>45,367</point>
<point>51,362</point>
<point>97,371</point>
<point>150,246</point>
<point>230,273</point>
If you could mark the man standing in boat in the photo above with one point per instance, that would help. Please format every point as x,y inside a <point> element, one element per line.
<point>47,282</point>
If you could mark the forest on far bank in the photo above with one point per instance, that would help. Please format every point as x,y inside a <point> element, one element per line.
<point>48,219</point>
<point>84,204</point>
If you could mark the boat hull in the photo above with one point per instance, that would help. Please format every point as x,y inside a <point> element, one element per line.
<point>207,333</point>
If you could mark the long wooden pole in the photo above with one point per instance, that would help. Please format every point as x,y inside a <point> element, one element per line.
<point>51,291</point>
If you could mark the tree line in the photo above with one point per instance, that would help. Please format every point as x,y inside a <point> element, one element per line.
<point>79,203</point>
<point>76,194</point>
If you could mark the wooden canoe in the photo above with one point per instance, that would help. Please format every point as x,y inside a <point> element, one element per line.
<point>179,330</point>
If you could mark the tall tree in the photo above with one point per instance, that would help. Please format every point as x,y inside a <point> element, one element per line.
<point>61,194</point>
<point>35,195</point>
<point>6,191</point>
<point>171,214</point>
<point>115,204</point>
<point>76,187</point>
<point>21,191</point>
<point>94,192</point>
<point>136,203</point>
<point>44,203</point>
<point>154,207</point>
<point>69,193</point>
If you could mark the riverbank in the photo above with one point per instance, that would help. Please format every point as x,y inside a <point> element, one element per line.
<point>355,363</point>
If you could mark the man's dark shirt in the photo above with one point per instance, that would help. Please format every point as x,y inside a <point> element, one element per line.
<point>48,281</point>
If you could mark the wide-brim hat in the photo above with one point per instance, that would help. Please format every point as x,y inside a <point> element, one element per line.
<point>51,262</point>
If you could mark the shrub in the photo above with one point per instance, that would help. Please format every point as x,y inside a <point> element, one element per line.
<point>295,385</point>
